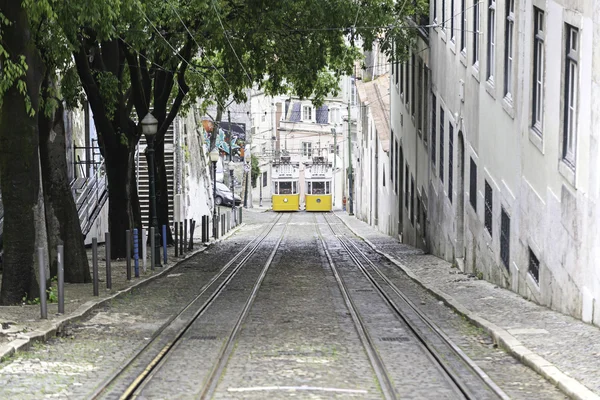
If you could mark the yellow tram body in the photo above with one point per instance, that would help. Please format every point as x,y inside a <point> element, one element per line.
<point>285,190</point>
<point>286,202</point>
<point>318,178</point>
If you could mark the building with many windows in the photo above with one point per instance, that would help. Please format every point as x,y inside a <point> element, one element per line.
<point>498,162</point>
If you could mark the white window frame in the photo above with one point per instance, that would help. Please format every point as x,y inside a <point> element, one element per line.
<point>452,36</point>
<point>476,30</point>
<point>491,44</point>
<point>307,149</point>
<point>570,94</point>
<point>509,44</point>
<point>537,87</point>
<point>307,113</point>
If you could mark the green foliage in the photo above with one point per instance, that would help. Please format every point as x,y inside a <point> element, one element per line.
<point>255,170</point>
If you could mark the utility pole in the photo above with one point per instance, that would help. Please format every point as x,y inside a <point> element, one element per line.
<point>350,207</point>
<point>334,132</point>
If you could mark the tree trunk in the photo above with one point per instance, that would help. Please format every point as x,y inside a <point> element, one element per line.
<point>62,221</point>
<point>19,162</point>
<point>123,206</point>
<point>162,190</point>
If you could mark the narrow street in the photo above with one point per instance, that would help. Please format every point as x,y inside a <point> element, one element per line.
<point>275,323</point>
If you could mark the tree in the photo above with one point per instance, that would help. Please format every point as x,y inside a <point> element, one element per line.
<point>22,75</point>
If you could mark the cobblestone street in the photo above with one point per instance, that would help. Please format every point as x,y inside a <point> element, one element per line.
<point>296,341</point>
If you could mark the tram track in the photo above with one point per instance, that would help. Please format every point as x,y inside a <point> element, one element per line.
<point>469,380</point>
<point>154,353</point>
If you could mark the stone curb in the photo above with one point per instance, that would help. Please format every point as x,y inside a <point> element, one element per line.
<point>24,340</point>
<point>546,369</point>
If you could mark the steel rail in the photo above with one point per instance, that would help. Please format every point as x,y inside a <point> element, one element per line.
<point>470,364</point>
<point>217,371</point>
<point>244,254</point>
<point>377,363</point>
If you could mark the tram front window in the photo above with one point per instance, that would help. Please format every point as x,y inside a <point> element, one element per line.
<point>285,188</point>
<point>318,188</point>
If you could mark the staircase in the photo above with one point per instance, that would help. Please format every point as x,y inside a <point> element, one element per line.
<point>142,175</point>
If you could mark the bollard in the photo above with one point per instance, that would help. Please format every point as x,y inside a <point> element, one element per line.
<point>95,265</point>
<point>42,266</point>
<point>107,255</point>
<point>128,252</point>
<point>228,222</point>
<point>215,225</point>
<point>192,226</point>
<point>152,252</point>
<point>136,254</point>
<point>180,239</point>
<point>203,227</point>
<point>144,248</point>
<point>240,218</point>
<point>61,278</point>
<point>184,241</point>
<point>164,243</point>
<point>176,241</point>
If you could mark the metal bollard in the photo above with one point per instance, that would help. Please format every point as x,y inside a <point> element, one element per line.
<point>164,243</point>
<point>215,225</point>
<point>228,222</point>
<point>204,228</point>
<point>128,252</point>
<point>61,278</point>
<point>192,228</point>
<point>107,255</point>
<point>95,265</point>
<point>223,231</point>
<point>144,248</point>
<point>180,239</point>
<point>42,268</point>
<point>176,241</point>
<point>152,252</point>
<point>136,254</point>
<point>184,241</point>
<point>240,218</point>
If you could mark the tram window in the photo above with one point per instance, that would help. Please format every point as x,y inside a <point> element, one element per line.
<point>294,188</point>
<point>327,188</point>
<point>285,188</point>
<point>276,191</point>
<point>318,187</point>
<point>309,191</point>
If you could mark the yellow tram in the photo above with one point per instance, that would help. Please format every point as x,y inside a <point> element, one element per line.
<point>318,176</point>
<point>285,190</point>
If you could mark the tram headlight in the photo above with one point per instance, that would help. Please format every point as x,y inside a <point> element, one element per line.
<point>285,200</point>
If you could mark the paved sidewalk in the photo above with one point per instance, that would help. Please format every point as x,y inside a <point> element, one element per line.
<point>562,349</point>
<point>21,325</point>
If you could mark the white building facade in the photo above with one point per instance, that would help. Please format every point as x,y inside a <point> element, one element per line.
<point>506,166</point>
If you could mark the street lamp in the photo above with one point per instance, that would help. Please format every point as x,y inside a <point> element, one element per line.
<point>214,157</point>
<point>149,128</point>
<point>231,170</point>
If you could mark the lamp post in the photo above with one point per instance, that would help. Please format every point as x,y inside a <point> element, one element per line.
<point>149,128</point>
<point>214,157</point>
<point>231,171</point>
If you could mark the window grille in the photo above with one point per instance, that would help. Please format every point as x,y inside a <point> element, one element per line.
<point>476,33</point>
<point>451,17</point>
<point>534,266</point>
<point>491,43</point>
<point>441,144</point>
<point>508,47</point>
<point>433,125</point>
<point>505,239</point>
<point>463,24</point>
<point>538,71</point>
<point>412,199</point>
<point>412,86</point>
<point>450,161</point>
<point>473,185</point>
<point>489,208</point>
<point>570,95</point>
<point>406,193</point>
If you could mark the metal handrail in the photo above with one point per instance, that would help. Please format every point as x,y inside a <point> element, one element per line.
<point>92,198</point>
